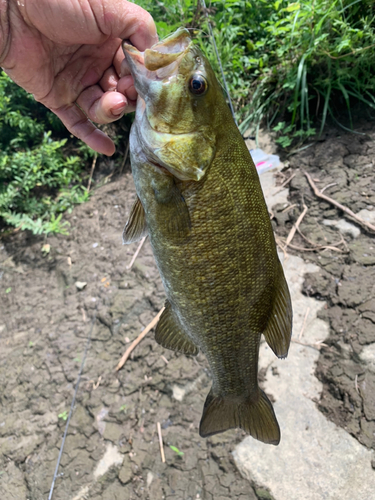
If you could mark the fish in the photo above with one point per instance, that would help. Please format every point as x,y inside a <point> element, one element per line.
<point>200,202</point>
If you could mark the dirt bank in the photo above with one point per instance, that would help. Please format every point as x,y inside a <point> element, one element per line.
<point>44,324</point>
<point>341,164</point>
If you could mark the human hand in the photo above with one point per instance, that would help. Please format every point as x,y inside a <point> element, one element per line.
<point>68,53</point>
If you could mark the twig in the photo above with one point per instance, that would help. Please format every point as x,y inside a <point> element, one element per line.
<point>313,346</point>
<point>354,51</point>
<point>140,337</point>
<point>328,186</point>
<point>295,227</point>
<point>84,317</point>
<point>279,242</point>
<point>96,385</point>
<point>160,442</point>
<point>279,188</point>
<point>323,247</point>
<point>92,171</point>
<point>288,208</point>
<point>363,223</point>
<point>136,253</point>
<point>356,383</point>
<point>125,158</point>
<point>304,249</point>
<point>304,323</point>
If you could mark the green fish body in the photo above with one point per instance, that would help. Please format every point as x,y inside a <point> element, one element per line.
<point>201,203</point>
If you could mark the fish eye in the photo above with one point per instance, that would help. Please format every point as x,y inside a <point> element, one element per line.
<point>198,85</point>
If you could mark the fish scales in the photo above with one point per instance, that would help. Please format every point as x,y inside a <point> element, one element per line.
<point>213,243</point>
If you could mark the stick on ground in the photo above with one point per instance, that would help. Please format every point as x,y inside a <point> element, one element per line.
<point>160,442</point>
<point>295,227</point>
<point>279,188</point>
<point>140,337</point>
<point>92,171</point>
<point>136,253</point>
<point>316,345</point>
<point>346,210</point>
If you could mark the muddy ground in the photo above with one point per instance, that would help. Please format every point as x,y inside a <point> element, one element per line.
<point>343,163</point>
<point>45,321</point>
<point>44,325</point>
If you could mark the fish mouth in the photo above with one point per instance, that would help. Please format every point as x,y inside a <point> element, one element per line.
<point>158,63</point>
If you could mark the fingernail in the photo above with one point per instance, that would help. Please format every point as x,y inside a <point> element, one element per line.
<point>118,109</point>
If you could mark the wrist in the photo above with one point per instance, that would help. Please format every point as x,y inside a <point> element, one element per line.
<point>4,29</point>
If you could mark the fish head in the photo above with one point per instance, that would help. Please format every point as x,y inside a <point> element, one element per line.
<point>180,105</point>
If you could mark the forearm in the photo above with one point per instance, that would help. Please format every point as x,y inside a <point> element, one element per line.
<point>4,29</point>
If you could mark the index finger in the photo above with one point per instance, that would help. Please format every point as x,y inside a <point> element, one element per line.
<point>127,20</point>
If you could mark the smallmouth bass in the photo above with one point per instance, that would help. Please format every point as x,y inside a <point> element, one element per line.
<point>201,203</point>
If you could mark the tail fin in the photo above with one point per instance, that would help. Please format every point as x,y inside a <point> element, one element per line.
<point>255,416</point>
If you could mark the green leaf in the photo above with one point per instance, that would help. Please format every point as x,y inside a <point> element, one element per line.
<point>176,450</point>
<point>292,7</point>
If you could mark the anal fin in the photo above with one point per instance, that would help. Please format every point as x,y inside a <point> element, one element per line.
<point>170,334</point>
<point>279,327</point>
<point>136,227</point>
<point>254,415</point>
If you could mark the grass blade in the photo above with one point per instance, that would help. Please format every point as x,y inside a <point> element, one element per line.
<point>298,83</point>
<point>325,109</point>
<point>346,97</point>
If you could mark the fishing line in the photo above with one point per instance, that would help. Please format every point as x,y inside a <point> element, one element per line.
<point>203,3</point>
<point>72,405</point>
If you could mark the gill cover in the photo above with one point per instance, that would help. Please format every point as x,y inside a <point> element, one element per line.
<point>175,119</point>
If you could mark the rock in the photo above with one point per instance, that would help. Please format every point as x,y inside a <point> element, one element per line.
<point>367,215</point>
<point>368,356</point>
<point>80,285</point>
<point>345,227</point>
<point>111,457</point>
<point>273,194</point>
<point>367,389</point>
<point>363,251</point>
<point>126,473</point>
<point>323,460</point>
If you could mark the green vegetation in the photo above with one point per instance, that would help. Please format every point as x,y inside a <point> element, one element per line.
<point>289,65</point>
<point>176,450</point>
<point>64,415</point>
<point>38,179</point>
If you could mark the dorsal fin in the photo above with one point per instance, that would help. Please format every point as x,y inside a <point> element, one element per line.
<point>170,333</point>
<point>136,227</point>
<point>279,327</point>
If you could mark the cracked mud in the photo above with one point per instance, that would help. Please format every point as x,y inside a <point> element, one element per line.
<point>112,448</point>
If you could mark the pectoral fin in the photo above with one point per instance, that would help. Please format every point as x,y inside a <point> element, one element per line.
<point>170,333</point>
<point>136,227</point>
<point>279,327</point>
<point>173,212</point>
